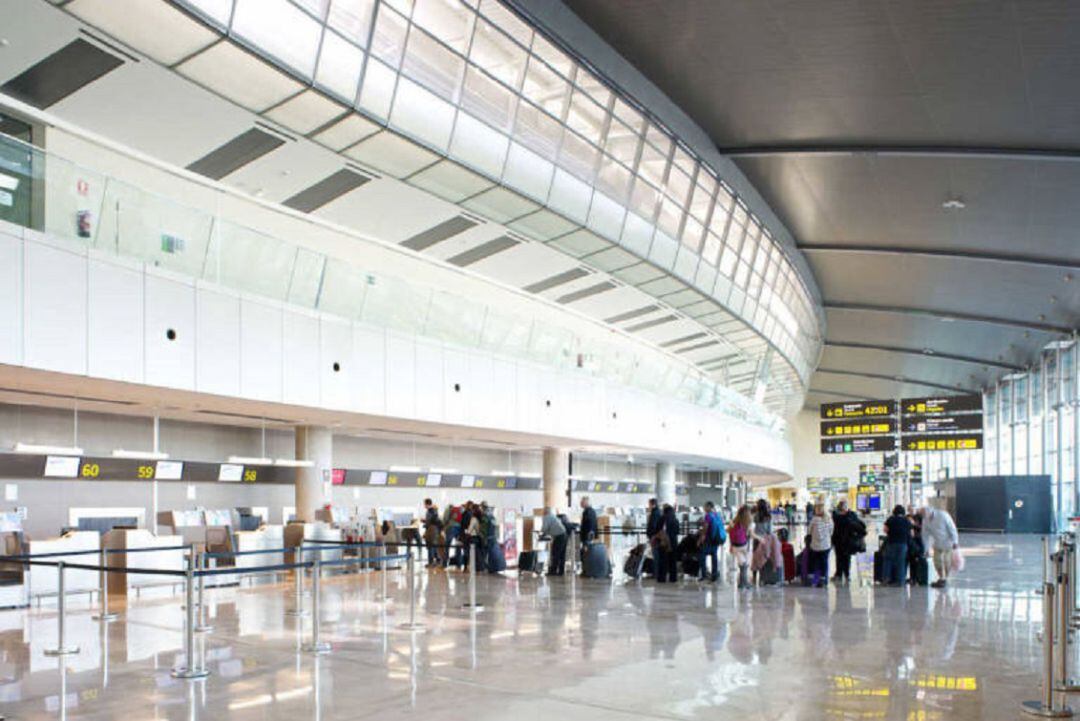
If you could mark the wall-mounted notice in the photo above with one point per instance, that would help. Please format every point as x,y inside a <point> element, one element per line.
<point>337,476</point>
<point>468,481</point>
<point>169,470</point>
<point>377,478</point>
<point>434,479</point>
<point>61,466</point>
<point>231,472</point>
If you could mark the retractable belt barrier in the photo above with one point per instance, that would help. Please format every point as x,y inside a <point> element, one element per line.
<point>1057,588</point>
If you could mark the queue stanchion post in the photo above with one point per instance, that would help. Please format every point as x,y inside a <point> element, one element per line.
<point>203,625</point>
<point>61,618</point>
<point>382,570</point>
<point>473,558</point>
<point>103,614</point>
<point>316,645</point>
<point>297,610</point>
<point>189,670</point>
<point>412,625</point>
<point>1046,707</point>
<point>1063,563</point>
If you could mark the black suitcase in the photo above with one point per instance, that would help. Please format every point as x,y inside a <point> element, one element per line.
<point>770,575</point>
<point>596,564</point>
<point>879,574</point>
<point>635,561</point>
<point>527,562</point>
<point>496,558</point>
<point>920,571</point>
<point>691,566</point>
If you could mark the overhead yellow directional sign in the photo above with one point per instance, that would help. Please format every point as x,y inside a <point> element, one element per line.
<point>866,427</point>
<point>959,442</point>
<point>858,409</point>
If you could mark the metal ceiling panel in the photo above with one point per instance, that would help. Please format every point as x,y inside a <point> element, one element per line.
<point>70,68</point>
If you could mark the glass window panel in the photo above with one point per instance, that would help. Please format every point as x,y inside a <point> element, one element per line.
<point>431,63</point>
<point>315,7</point>
<point>378,89</point>
<point>498,55</point>
<point>340,63</point>
<point>260,22</point>
<point>586,117</point>
<point>629,116</point>
<point>710,251</point>
<point>352,18</point>
<point>683,160</point>
<point>727,261</point>
<point>343,289</point>
<point>678,185</point>
<point>742,274</point>
<point>487,99</point>
<point>691,235</point>
<point>762,258</point>
<point>403,6</point>
<point>614,179</point>
<point>388,41</point>
<point>592,85</point>
<point>702,198</point>
<point>551,55</point>
<point>538,130</point>
<point>622,143</point>
<point>670,217</point>
<point>749,246</point>
<point>771,273</point>
<point>546,88</point>
<point>505,19</point>
<point>724,197</point>
<point>421,114</point>
<point>659,140</point>
<point>718,221</point>
<point>578,156</point>
<point>644,199</point>
<point>755,285</point>
<point>448,20</point>
<point>653,165</point>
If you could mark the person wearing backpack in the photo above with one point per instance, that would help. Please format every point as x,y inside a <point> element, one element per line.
<point>432,526</point>
<point>452,529</point>
<point>711,537</point>
<point>739,533</point>
<point>847,538</point>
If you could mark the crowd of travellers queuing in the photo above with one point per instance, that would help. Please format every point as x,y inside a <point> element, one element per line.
<point>763,555</point>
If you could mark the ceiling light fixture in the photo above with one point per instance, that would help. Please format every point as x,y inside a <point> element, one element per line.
<point>293,463</point>
<point>140,455</point>
<point>954,204</point>
<point>45,450</point>
<point>251,461</point>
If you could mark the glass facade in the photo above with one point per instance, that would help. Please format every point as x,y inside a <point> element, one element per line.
<point>1030,428</point>
<point>472,82</point>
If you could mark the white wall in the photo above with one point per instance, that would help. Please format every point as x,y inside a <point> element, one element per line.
<point>85,313</point>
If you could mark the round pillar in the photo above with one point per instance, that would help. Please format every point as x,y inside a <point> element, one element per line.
<point>316,445</point>
<point>556,474</point>
<point>665,483</point>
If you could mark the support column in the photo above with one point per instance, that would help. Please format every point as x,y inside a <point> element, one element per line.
<point>316,445</point>
<point>665,483</point>
<point>556,474</point>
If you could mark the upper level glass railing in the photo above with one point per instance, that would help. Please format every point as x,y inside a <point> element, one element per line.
<point>45,192</point>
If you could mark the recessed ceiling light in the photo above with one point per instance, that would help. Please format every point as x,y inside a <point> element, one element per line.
<point>947,319</point>
<point>954,204</point>
<point>1068,277</point>
<point>1053,299</point>
<point>928,351</point>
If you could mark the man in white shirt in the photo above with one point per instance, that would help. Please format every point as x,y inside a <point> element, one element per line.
<point>939,533</point>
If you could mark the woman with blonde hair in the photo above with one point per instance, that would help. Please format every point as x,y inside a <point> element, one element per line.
<point>821,530</point>
<point>739,533</point>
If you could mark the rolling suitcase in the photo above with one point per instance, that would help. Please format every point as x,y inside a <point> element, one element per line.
<point>788,552</point>
<point>769,575</point>
<point>879,574</point>
<point>596,564</point>
<point>496,562</point>
<point>527,562</point>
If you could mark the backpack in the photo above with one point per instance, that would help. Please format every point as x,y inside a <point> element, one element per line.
<point>487,526</point>
<point>455,514</point>
<point>717,536</point>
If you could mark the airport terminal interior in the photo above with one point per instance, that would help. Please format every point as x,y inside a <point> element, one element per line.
<point>537,359</point>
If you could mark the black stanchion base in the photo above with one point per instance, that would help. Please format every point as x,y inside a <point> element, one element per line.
<point>65,651</point>
<point>189,674</point>
<point>472,606</point>
<point>316,648</point>
<point>1038,710</point>
<point>106,617</point>
<point>418,627</point>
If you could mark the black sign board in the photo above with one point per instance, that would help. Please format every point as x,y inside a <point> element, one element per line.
<point>858,409</point>
<point>941,405</point>
<point>855,427</point>
<point>860,444</point>
<point>943,424</point>
<point>956,442</point>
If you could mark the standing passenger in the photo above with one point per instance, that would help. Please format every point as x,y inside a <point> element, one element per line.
<point>897,538</point>
<point>939,533</point>
<point>711,537</point>
<point>667,561</point>
<point>554,529</point>
<point>740,544</point>
<point>432,524</point>
<point>821,528</point>
<point>848,534</point>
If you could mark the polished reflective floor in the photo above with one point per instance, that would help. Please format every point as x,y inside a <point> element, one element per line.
<point>554,650</point>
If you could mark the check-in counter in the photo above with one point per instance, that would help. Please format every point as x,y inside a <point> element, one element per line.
<point>265,538</point>
<point>296,532</point>
<point>44,580</point>
<point>13,585</point>
<point>163,560</point>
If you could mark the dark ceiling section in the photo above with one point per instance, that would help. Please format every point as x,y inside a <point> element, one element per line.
<point>484,250</point>
<point>925,155</point>
<point>439,233</point>
<point>235,154</point>
<point>73,66</point>
<point>326,190</point>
